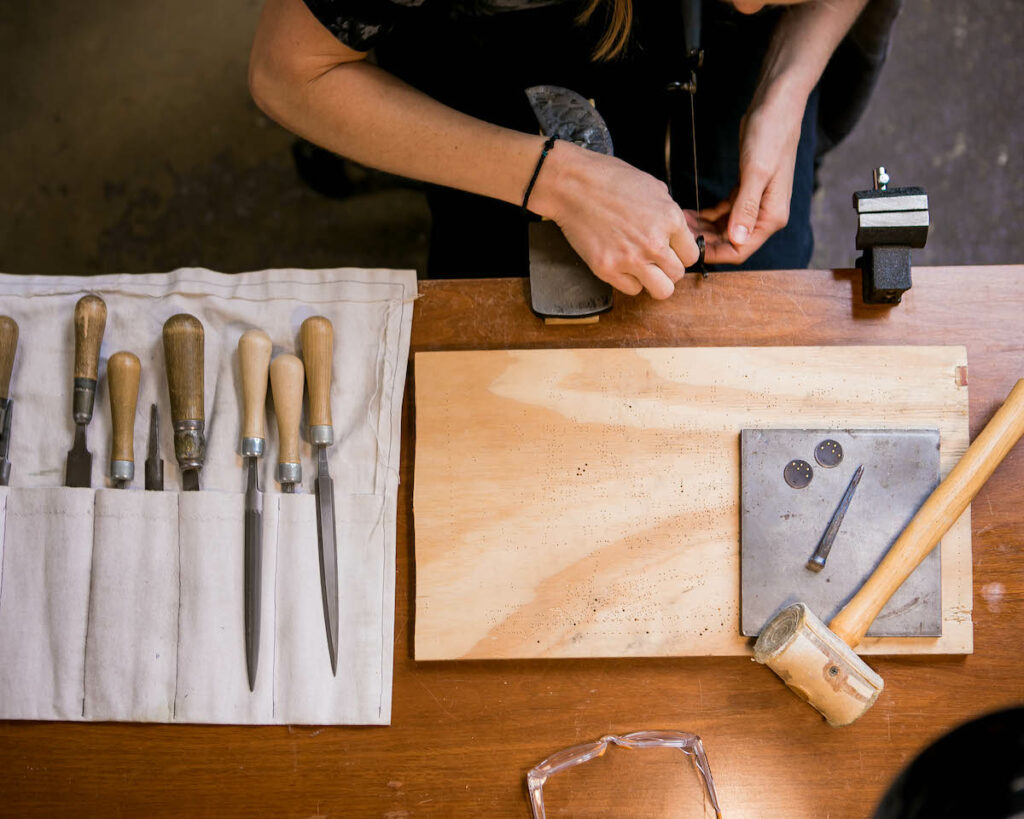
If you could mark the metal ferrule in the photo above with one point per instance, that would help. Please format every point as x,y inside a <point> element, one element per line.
<point>289,473</point>
<point>83,399</point>
<point>252,447</point>
<point>322,435</point>
<point>189,444</point>
<point>122,470</point>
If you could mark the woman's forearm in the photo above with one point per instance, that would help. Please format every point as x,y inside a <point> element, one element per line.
<point>321,90</point>
<point>802,44</point>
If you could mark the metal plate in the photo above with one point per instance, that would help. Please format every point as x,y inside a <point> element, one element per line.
<point>780,526</point>
<point>561,284</point>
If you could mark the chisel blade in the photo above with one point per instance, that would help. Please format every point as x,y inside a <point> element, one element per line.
<point>325,531</point>
<point>253,570</point>
<point>78,471</point>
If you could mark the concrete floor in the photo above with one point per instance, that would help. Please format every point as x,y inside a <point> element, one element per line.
<point>130,144</point>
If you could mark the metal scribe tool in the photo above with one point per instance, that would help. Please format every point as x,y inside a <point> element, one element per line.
<point>123,371</point>
<point>254,359</point>
<point>286,379</point>
<point>183,353</point>
<point>90,322</point>
<point>317,337</point>
<point>8,348</point>
<point>816,562</point>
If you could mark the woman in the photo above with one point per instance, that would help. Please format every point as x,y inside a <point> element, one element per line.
<point>445,105</point>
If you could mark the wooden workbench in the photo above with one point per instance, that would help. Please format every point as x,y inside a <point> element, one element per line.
<point>464,734</point>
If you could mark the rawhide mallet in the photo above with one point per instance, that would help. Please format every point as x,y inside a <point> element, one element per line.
<point>819,663</point>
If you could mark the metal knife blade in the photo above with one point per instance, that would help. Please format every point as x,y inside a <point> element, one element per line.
<point>154,465</point>
<point>6,412</point>
<point>325,529</point>
<point>253,568</point>
<point>190,480</point>
<point>78,469</point>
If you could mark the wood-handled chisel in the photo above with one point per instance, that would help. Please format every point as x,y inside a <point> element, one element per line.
<point>154,464</point>
<point>317,336</point>
<point>287,376</point>
<point>254,360</point>
<point>123,371</point>
<point>90,322</point>
<point>8,347</point>
<point>183,354</point>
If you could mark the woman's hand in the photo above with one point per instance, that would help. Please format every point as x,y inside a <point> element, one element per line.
<point>621,221</point>
<point>759,206</point>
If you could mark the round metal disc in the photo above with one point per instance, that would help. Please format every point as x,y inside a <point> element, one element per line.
<point>798,474</point>
<point>828,453</point>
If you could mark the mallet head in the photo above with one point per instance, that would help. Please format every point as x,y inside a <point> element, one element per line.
<point>817,665</point>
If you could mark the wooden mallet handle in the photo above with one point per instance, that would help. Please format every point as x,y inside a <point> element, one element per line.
<point>934,518</point>
<point>286,377</point>
<point>123,371</point>
<point>183,355</point>
<point>317,337</point>
<point>8,347</point>
<point>254,359</point>
<point>90,322</point>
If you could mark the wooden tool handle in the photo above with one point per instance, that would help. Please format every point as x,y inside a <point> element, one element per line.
<point>183,354</point>
<point>90,322</point>
<point>317,336</point>
<point>934,518</point>
<point>254,358</point>
<point>123,370</point>
<point>286,375</point>
<point>8,347</point>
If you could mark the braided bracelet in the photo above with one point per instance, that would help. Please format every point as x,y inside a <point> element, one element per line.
<point>549,143</point>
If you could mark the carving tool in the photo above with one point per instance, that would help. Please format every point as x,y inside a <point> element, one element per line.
<point>154,464</point>
<point>816,562</point>
<point>254,359</point>
<point>8,348</point>
<point>317,336</point>
<point>183,353</point>
<point>818,662</point>
<point>90,321</point>
<point>123,371</point>
<point>286,379</point>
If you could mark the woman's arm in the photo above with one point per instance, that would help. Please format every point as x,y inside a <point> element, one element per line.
<point>621,220</point>
<point>801,46</point>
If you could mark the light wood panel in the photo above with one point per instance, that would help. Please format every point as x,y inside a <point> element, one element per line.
<point>585,503</point>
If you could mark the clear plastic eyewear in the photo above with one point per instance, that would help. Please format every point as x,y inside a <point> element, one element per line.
<point>689,744</point>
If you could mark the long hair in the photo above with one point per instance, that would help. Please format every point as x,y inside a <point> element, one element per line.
<point>616,35</point>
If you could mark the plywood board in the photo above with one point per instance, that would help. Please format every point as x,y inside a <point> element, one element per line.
<point>585,503</point>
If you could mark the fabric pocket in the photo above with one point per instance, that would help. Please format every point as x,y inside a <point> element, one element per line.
<point>212,680</point>
<point>44,602</point>
<point>131,645</point>
<point>307,691</point>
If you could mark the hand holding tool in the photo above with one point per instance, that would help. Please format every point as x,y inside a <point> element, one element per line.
<point>317,337</point>
<point>8,347</point>
<point>286,380</point>
<point>90,322</point>
<point>254,358</point>
<point>154,464</point>
<point>819,663</point>
<point>123,371</point>
<point>183,353</point>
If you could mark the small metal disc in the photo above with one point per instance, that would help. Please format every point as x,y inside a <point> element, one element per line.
<point>828,453</point>
<point>798,474</point>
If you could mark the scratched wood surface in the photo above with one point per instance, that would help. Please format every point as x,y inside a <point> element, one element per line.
<point>585,503</point>
<point>464,734</point>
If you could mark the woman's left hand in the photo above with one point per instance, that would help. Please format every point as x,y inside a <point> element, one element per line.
<point>736,227</point>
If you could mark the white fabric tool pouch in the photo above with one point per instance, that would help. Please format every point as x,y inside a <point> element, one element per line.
<point>128,605</point>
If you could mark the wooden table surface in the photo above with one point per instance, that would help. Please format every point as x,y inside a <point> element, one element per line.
<point>464,734</point>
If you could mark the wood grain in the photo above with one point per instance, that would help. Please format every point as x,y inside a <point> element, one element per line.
<point>8,349</point>
<point>286,379</point>
<point>254,347</point>
<point>317,337</point>
<point>585,503</point>
<point>90,322</point>
<point>464,734</point>
<point>123,373</point>
<point>183,352</point>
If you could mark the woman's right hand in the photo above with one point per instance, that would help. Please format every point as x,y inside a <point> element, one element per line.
<point>620,220</point>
